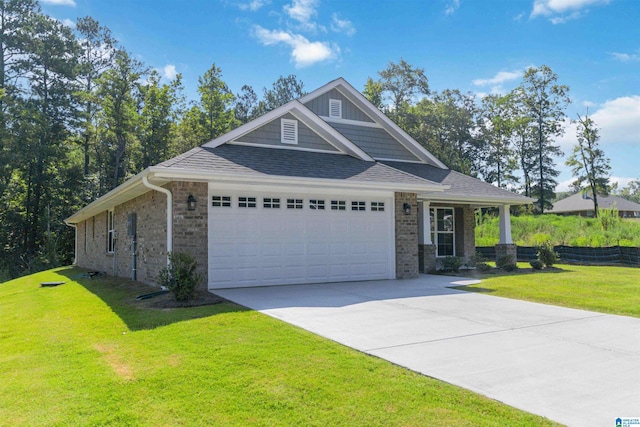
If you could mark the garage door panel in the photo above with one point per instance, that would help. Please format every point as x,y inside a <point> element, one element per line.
<point>262,246</point>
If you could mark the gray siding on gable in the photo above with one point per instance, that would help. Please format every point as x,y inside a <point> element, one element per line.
<point>320,106</point>
<point>269,134</point>
<point>376,142</point>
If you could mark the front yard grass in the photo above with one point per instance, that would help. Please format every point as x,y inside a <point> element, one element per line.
<point>614,290</point>
<point>84,353</point>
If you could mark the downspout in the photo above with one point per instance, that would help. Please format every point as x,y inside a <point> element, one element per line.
<point>147,184</point>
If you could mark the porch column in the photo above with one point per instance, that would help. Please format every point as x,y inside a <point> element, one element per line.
<point>505,225</point>
<point>426,248</point>
<point>424,238</point>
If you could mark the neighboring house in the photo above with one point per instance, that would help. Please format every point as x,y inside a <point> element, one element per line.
<point>581,204</point>
<point>323,189</point>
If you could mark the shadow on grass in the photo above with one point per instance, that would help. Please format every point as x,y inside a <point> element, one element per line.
<point>119,294</point>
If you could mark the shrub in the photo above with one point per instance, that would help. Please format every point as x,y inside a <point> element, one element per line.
<point>483,267</point>
<point>510,267</point>
<point>451,264</point>
<point>536,264</point>
<point>504,260</point>
<point>180,276</point>
<point>546,254</point>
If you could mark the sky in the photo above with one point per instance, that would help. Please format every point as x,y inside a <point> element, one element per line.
<point>479,46</point>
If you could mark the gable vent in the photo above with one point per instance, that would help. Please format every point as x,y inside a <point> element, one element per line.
<point>335,108</point>
<point>288,131</point>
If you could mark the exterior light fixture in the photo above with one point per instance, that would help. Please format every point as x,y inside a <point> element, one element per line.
<point>191,203</point>
<point>407,208</point>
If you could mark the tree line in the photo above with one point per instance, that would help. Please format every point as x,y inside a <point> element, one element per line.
<point>79,115</point>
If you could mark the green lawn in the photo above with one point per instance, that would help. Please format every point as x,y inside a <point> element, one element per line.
<point>85,353</point>
<point>614,290</point>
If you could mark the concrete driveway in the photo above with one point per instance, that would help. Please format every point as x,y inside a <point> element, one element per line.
<point>576,367</point>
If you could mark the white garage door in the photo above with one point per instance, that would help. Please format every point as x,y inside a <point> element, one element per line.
<point>262,239</point>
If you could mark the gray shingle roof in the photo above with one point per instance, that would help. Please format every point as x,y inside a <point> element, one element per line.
<point>576,203</point>
<point>257,161</point>
<point>462,186</point>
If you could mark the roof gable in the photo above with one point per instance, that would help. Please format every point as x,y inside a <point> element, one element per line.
<point>379,120</point>
<point>316,130</point>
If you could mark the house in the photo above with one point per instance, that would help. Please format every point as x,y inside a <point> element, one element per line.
<point>581,204</point>
<point>325,188</point>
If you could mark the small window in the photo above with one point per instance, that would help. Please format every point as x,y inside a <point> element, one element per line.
<point>221,201</point>
<point>288,131</point>
<point>294,204</point>
<point>358,206</point>
<point>377,206</point>
<point>338,205</point>
<point>335,108</point>
<point>111,233</point>
<point>246,202</point>
<point>270,203</point>
<point>316,204</point>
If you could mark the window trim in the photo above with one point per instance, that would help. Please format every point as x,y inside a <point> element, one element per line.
<point>339,205</point>
<point>293,203</point>
<point>316,204</point>
<point>271,202</point>
<point>247,202</point>
<point>358,205</point>
<point>285,134</point>
<point>111,232</point>
<point>434,229</point>
<point>377,206</point>
<point>222,202</point>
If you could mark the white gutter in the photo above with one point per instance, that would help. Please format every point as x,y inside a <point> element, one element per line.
<point>147,184</point>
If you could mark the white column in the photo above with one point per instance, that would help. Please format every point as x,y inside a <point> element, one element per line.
<point>424,227</point>
<point>505,225</point>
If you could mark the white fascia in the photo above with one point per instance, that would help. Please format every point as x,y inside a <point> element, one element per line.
<point>306,116</point>
<point>378,116</point>
<point>477,202</point>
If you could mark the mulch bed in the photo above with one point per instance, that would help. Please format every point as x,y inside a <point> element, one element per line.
<point>168,301</point>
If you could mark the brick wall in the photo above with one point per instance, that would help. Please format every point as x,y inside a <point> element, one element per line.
<point>406,236</point>
<point>189,233</point>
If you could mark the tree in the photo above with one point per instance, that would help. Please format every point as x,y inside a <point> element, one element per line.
<point>373,92</point>
<point>97,50</point>
<point>631,191</point>
<point>401,83</point>
<point>283,90</point>
<point>246,104</point>
<point>588,162</point>
<point>157,118</point>
<point>498,160</point>
<point>118,89</point>
<point>544,102</point>
<point>216,101</point>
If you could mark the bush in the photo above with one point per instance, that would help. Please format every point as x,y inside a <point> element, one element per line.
<point>180,276</point>
<point>451,264</point>
<point>504,260</point>
<point>546,254</point>
<point>536,264</point>
<point>510,267</point>
<point>483,267</point>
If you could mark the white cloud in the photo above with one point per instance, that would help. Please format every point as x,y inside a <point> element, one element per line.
<point>303,52</point>
<point>303,11</point>
<point>496,82</point>
<point>626,57</point>
<point>560,11</point>
<point>169,72</point>
<point>619,120</point>
<point>253,5</point>
<point>452,6</point>
<point>342,25</point>
<point>71,3</point>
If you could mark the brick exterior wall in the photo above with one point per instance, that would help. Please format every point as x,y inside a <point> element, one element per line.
<point>506,249</point>
<point>189,234</point>
<point>427,258</point>
<point>406,236</point>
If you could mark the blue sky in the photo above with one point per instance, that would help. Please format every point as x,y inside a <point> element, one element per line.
<point>482,46</point>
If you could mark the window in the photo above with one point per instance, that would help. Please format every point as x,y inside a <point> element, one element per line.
<point>335,108</point>
<point>288,131</point>
<point>316,204</point>
<point>111,233</point>
<point>358,206</point>
<point>221,201</point>
<point>246,202</point>
<point>269,203</point>
<point>338,205</point>
<point>377,206</point>
<point>442,231</point>
<point>294,204</point>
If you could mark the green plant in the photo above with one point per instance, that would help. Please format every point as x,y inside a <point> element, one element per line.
<point>180,276</point>
<point>536,264</point>
<point>505,262</point>
<point>546,254</point>
<point>451,264</point>
<point>483,267</point>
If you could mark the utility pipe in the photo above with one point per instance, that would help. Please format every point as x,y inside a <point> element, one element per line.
<point>147,184</point>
